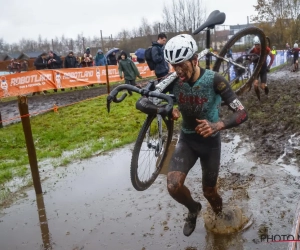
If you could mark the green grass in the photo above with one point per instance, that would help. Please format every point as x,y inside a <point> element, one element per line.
<point>83,129</point>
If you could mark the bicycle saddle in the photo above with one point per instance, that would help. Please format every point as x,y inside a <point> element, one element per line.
<point>214,18</point>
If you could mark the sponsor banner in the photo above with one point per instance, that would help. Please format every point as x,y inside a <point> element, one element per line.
<point>39,80</point>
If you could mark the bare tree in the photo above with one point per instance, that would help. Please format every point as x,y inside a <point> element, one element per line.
<point>184,15</point>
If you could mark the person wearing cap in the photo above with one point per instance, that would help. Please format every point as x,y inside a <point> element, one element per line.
<point>87,58</point>
<point>100,59</point>
<point>128,70</point>
<point>70,61</point>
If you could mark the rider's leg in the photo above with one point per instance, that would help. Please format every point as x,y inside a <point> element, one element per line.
<point>183,159</point>
<point>256,89</point>
<point>263,85</point>
<point>210,164</point>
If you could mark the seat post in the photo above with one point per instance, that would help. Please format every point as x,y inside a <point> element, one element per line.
<point>208,56</point>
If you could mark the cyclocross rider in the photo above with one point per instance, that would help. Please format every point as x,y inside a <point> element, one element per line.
<point>295,52</point>
<point>199,93</point>
<point>264,69</point>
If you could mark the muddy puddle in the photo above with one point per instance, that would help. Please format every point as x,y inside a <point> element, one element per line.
<point>91,204</point>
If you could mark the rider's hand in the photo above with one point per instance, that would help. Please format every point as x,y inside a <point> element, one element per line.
<point>121,77</point>
<point>206,128</point>
<point>268,69</point>
<point>175,114</point>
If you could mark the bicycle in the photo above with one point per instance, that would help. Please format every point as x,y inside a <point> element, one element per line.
<point>154,137</point>
<point>234,71</point>
<point>156,133</point>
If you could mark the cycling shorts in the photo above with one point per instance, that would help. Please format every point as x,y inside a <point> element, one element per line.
<point>263,76</point>
<point>189,148</point>
<point>296,59</point>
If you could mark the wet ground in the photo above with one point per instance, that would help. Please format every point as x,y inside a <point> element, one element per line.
<point>91,204</point>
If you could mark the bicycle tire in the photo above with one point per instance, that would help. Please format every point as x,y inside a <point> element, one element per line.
<point>137,182</point>
<point>247,31</point>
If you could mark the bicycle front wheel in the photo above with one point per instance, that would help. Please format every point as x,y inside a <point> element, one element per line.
<point>150,151</point>
<point>240,77</point>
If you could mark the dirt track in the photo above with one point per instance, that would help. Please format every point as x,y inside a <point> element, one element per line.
<point>275,120</point>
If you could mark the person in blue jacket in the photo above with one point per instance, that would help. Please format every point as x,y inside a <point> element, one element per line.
<point>100,59</point>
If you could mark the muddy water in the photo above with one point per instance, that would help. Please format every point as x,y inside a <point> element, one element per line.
<point>92,205</point>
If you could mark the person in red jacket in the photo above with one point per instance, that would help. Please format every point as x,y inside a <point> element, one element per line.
<point>264,69</point>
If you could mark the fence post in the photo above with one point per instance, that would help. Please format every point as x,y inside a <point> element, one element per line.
<point>1,123</point>
<point>23,108</point>
<point>106,67</point>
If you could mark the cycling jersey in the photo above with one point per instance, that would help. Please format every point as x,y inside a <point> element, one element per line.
<point>201,100</point>
<point>268,50</point>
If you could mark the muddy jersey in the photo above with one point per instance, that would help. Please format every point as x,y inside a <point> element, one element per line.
<point>264,66</point>
<point>201,100</point>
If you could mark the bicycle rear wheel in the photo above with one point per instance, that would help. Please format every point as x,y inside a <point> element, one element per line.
<point>150,151</point>
<point>242,79</point>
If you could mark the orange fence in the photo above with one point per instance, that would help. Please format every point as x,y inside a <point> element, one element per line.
<point>39,80</point>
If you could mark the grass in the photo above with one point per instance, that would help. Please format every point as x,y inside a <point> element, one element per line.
<point>83,129</point>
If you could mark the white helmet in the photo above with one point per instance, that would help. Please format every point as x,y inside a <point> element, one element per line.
<point>296,45</point>
<point>180,48</point>
<point>256,40</point>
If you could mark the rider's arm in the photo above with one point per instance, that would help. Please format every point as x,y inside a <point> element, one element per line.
<point>239,115</point>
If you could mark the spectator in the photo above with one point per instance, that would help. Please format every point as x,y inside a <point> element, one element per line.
<point>229,53</point>
<point>70,61</point>
<point>24,66</point>
<point>87,58</point>
<point>40,62</point>
<point>161,66</point>
<point>54,61</point>
<point>78,59</point>
<point>14,66</point>
<point>128,69</point>
<point>112,59</point>
<point>100,59</point>
<point>274,51</point>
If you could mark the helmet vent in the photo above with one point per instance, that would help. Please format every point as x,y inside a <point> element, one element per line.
<point>185,52</point>
<point>171,54</point>
<point>178,53</point>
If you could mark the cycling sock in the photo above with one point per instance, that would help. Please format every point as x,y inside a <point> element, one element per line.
<point>190,221</point>
<point>256,89</point>
<point>266,90</point>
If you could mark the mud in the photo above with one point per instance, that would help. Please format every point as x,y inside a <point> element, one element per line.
<point>91,204</point>
<point>274,123</point>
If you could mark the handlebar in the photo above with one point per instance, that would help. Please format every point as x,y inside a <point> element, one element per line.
<point>112,97</point>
